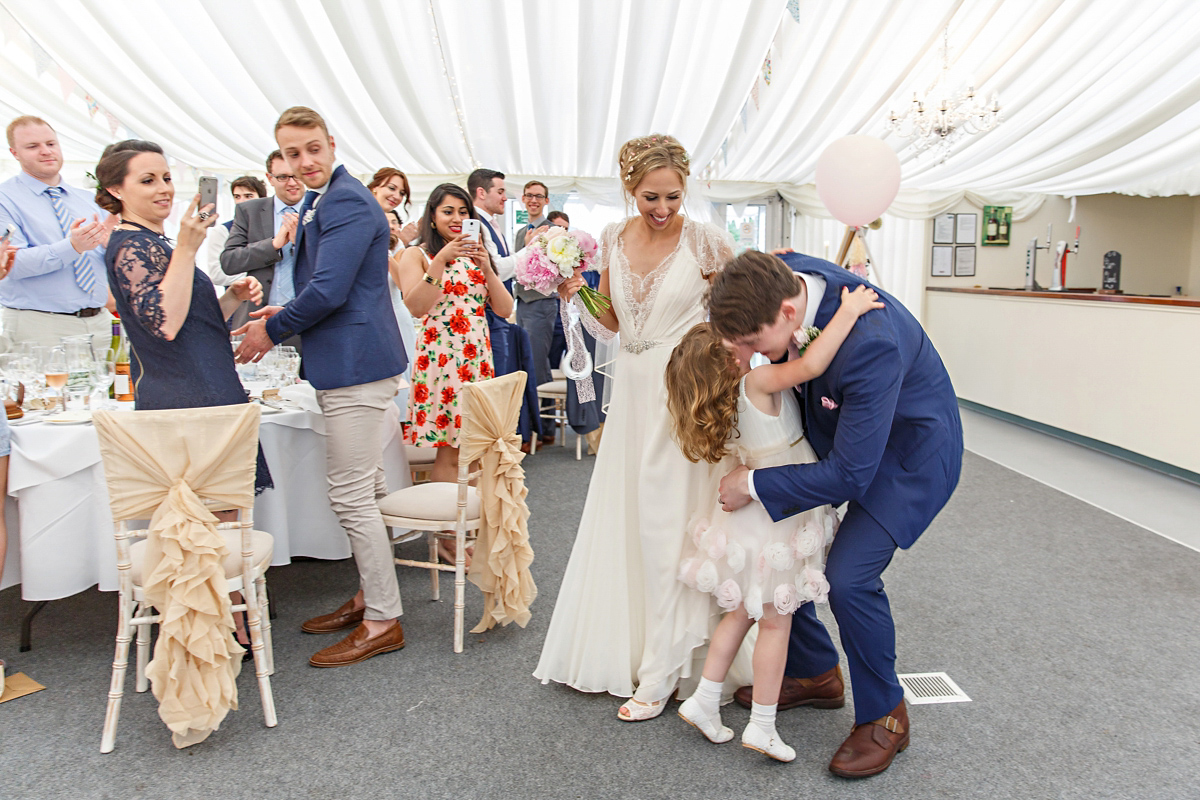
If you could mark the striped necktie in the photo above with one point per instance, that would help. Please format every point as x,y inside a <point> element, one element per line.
<point>85,276</point>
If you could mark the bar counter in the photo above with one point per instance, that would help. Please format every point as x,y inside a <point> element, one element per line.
<point>1121,371</point>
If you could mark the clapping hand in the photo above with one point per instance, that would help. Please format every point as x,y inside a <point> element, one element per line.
<point>532,234</point>
<point>88,234</point>
<point>247,288</point>
<point>408,233</point>
<point>286,232</point>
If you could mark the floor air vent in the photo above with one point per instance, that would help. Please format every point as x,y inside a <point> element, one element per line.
<point>921,688</point>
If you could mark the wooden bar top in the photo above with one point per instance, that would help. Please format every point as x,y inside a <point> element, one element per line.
<point>1093,297</point>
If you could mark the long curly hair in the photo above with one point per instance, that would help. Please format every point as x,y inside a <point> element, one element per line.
<point>702,379</point>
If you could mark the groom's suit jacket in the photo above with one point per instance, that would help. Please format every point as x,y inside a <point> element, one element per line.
<point>883,418</point>
<point>342,310</point>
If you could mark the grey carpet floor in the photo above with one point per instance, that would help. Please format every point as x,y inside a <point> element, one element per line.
<point>1075,634</point>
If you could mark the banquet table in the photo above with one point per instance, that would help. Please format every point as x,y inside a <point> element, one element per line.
<point>60,531</point>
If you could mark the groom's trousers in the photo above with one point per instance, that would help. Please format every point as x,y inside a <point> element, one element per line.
<point>860,553</point>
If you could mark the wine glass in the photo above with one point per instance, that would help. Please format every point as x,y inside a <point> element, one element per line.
<point>54,367</point>
<point>103,373</point>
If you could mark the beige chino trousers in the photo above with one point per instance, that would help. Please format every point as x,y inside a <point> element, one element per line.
<point>354,465</point>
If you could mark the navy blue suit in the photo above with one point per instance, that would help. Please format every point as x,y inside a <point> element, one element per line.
<point>884,420</point>
<point>342,309</point>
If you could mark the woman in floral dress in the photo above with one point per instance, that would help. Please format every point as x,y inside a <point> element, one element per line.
<point>447,282</point>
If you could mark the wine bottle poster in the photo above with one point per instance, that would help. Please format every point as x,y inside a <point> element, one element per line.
<point>997,224</point>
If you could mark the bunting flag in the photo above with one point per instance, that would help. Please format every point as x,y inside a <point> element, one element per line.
<point>766,69</point>
<point>66,83</point>
<point>92,105</point>
<point>754,95</point>
<point>42,62</point>
<point>793,8</point>
<point>113,124</point>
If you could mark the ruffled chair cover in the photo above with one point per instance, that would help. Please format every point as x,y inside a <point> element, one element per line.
<point>158,464</point>
<point>500,567</point>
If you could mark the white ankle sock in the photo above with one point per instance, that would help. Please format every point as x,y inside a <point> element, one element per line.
<point>708,695</point>
<point>763,717</point>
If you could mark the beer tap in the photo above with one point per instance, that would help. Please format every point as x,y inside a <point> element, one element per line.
<point>1031,284</point>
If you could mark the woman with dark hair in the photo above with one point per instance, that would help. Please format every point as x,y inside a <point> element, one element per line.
<point>448,281</point>
<point>175,323</point>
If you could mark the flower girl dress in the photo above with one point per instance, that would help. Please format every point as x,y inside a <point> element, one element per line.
<point>744,558</point>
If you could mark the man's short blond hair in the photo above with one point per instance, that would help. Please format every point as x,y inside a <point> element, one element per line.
<point>27,119</point>
<point>301,117</point>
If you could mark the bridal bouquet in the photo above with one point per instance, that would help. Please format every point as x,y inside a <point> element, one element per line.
<point>552,257</point>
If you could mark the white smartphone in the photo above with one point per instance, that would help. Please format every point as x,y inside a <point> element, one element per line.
<point>208,193</point>
<point>470,229</point>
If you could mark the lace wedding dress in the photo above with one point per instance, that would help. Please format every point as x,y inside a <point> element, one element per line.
<point>623,622</point>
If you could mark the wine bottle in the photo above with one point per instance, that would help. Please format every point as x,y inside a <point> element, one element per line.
<point>1003,228</point>
<point>123,383</point>
<point>992,228</point>
<point>115,346</point>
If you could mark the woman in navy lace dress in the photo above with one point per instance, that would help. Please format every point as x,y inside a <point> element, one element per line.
<point>177,327</point>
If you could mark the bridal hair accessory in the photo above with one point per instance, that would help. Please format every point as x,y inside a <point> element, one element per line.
<point>551,258</point>
<point>637,149</point>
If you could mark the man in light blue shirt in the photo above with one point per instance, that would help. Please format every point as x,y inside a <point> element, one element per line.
<point>58,285</point>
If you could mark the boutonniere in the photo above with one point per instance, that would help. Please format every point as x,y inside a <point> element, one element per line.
<point>308,215</point>
<point>804,337</point>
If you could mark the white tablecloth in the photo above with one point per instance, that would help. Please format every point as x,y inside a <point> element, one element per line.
<point>60,531</point>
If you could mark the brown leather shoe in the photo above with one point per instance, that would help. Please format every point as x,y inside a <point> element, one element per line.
<point>345,617</point>
<point>870,748</point>
<point>359,646</point>
<point>826,690</point>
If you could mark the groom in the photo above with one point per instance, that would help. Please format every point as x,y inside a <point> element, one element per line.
<point>884,421</point>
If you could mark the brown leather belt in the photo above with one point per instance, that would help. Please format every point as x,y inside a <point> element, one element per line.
<point>83,312</point>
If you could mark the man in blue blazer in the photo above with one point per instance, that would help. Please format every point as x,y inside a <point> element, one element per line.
<point>884,420</point>
<point>353,356</point>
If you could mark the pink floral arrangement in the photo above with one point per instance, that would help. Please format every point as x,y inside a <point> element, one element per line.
<point>552,257</point>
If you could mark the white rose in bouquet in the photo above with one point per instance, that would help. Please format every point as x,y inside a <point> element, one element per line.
<point>564,251</point>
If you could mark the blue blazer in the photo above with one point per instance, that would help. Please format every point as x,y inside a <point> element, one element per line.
<point>893,440</point>
<point>342,309</point>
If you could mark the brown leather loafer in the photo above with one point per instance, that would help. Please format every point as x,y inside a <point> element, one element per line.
<point>826,690</point>
<point>870,748</point>
<point>345,617</point>
<point>359,646</point>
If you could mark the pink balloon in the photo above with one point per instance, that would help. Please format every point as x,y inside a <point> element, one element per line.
<point>857,179</point>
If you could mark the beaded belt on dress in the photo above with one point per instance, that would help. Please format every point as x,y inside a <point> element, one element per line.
<point>639,346</point>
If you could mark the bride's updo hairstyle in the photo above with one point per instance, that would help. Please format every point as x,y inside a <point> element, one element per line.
<point>647,153</point>
<point>702,378</point>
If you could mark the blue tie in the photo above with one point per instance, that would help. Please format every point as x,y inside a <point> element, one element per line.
<point>283,285</point>
<point>85,277</point>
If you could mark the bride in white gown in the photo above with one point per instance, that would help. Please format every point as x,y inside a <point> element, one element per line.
<point>623,623</point>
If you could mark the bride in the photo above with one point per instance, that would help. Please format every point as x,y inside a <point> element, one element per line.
<point>623,623</point>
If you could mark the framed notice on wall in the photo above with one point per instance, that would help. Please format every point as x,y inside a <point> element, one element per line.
<point>964,262</point>
<point>943,229</point>
<point>942,263</point>
<point>965,227</point>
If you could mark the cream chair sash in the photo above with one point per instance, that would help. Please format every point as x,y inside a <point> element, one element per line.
<point>158,464</point>
<point>500,567</point>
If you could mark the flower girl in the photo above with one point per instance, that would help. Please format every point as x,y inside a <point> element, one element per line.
<point>759,570</point>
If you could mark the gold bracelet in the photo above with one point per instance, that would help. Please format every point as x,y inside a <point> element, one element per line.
<point>429,279</point>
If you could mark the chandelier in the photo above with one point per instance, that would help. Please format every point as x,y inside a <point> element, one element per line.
<point>938,121</point>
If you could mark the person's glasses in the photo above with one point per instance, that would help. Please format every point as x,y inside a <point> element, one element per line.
<point>534,196</point>
<point>285,178</point>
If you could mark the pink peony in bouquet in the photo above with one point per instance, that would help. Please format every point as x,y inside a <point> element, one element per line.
<point>552,257</point>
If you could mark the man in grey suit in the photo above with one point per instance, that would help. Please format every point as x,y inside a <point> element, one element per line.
<point>261,244</point>
<point>536,312</point>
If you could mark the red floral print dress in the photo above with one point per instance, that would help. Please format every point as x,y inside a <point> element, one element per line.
<point>453,348</point>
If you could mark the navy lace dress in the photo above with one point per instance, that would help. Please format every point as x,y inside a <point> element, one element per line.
<point>195,369</point>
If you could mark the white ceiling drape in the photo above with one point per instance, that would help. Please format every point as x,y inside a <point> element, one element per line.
<point>1097,95</point>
